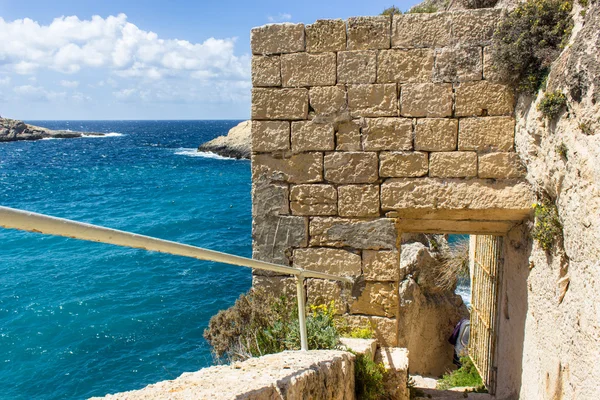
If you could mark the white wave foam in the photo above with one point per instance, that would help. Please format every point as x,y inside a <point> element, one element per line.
<point>204,154</point>
<point>105,135</point>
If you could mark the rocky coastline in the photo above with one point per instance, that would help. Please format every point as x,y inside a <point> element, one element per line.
<point>236,144</point>
<point>12,130</point>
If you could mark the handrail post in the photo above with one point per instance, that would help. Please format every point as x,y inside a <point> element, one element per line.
<point>301,312</point>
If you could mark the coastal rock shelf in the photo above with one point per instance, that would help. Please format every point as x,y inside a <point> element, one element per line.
<point>236,144</point>
<point>12,130</point>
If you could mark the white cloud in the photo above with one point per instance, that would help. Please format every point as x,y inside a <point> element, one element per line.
<point>5,81</point>
<point>69,45</point>
<point>281,17</point>
<point>38,93</point>
<point>69,84</point>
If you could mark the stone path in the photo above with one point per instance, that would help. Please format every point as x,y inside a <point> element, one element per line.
<point>428,386</point>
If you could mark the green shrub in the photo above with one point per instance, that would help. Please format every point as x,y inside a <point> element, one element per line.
<point>391,11</point>
<point>466,375</point>
<point>586,128</point>
<point>552,104</point>
<point>529,39</point>
<point>562,150</point>
<point>321,332</point>
<point>547,225</point>
<point>423,9</point>
<point>259,323</point>
<point>368,377</point>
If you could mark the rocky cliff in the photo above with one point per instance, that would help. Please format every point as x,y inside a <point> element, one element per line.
<point>562,329</point>
<point>236,144</point>
<point>12,130</point>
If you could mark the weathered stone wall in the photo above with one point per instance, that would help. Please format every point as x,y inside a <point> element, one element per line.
<point>291,375</point>
<point>368,127</point>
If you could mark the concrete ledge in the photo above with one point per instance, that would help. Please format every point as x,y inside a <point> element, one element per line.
<point>291,375</point>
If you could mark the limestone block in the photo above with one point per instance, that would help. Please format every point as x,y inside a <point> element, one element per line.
<point>475,27</point>
<point>377,298</point>
<point>326,35</point>
<point>358,200</point>
<point>308,136</point>
<point>348,136</point>
<point>378,100</point>
<point>273,238</point>
<point>275,285</point>
<point>421,30</point>
<point>366,347</point>
<point>326,100</point>
<point>453,164</point>
<point>431,198</point>
<point>381,265</point>
<point>298,168</point>
<point>486,134</point>
<point>400,164</point>
<point>366,33</point>
<point>331,261</point>
<point>426,100</point>
<point>458,64</point>
<point>395,362</point>
<point>491,73</point>
<point>266,71</point>
<point>351,167</point>
<point>357,233</point>
<point>269,198</point>
<point>501,166</point>
<point>290,375</point>
<point>483,98</point>
<point>277,38</point>
<point>387,134</point>
<point>270,136</point>
<point>385,328</point>
<point>317,199</point>
<point>305,69</point>
<point>404,65</point>
<point>281,104</point>
<point>436,134</point>
<point>357,66</point>
<point>320,291</point>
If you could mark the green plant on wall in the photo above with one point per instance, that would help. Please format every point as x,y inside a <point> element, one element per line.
<point>552,104</point>
<point>547,226</point>
<point>369,377</point>
<point>529,39</point>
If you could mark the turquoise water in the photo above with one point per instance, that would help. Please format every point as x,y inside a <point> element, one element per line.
<point>79,319</point>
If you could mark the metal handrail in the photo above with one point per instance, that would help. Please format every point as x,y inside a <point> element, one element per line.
<point>11,218</point>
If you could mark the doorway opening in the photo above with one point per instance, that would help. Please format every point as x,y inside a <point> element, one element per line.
<point>467,270</point>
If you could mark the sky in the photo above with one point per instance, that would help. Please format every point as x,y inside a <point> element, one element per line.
<point>141,59</point>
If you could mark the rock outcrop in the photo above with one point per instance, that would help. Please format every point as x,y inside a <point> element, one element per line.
<point>562,328</point>
<point>12,130</point>
<point>237,143</point>
<point>428,312</point>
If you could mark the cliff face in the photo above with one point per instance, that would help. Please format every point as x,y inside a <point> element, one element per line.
<point>562,334</point>
<point>12,130</point>
<point>236,144</point>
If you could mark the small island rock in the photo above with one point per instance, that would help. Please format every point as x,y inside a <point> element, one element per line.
<point>12,130</point>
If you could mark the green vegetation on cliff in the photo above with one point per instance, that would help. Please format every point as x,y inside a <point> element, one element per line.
<point>529,39</point>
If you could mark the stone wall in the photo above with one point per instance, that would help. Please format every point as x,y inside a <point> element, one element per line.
<point>373,126</point>
<point>291,375</point>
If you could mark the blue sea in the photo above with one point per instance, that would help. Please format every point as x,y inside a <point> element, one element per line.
<point>81,319</point>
